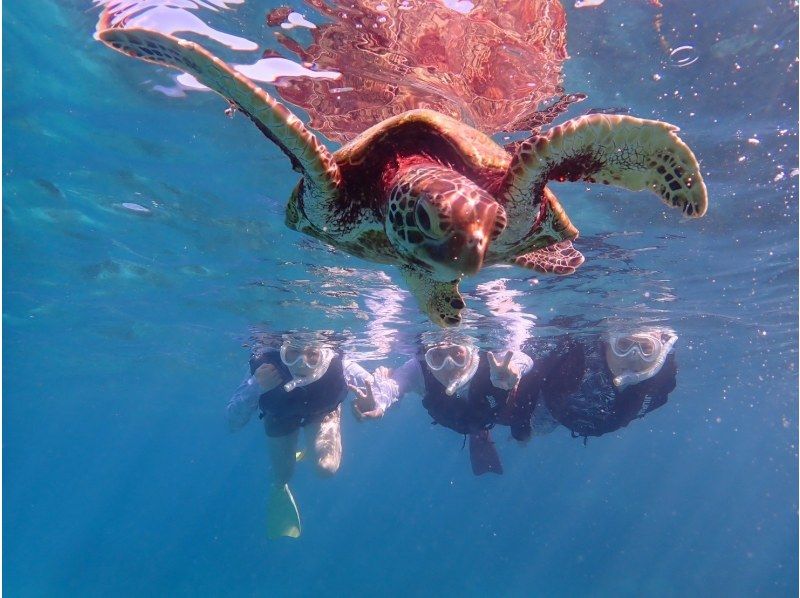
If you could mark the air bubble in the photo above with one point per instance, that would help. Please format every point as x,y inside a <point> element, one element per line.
<point>683,56</point>
<point>135,208</point>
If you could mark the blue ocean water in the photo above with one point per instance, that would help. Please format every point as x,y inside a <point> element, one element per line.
<point>125,334</point>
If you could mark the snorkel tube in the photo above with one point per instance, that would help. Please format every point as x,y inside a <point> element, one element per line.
<point>466,373</point>
<point>626,380</point>
<point>294,383</point>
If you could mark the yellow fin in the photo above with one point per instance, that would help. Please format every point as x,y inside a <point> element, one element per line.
<point>283,519</point>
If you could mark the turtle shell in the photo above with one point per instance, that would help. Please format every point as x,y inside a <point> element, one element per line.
<point>419,134</point>
<point>368,163</point>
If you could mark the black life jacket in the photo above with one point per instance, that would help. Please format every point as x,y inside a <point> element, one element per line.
<point>578,390</point>
<point>522,402</point>
<point>479,410</point>
<point>315,399</point>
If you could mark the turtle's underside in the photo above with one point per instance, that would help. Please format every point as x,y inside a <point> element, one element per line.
<point>436,197</point>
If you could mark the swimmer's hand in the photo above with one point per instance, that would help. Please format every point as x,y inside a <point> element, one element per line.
<point>504,374</point>
<point>364,405</point>
<point>267,376</point>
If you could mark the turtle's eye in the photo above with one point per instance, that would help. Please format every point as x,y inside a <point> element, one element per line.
<point>424,220</point>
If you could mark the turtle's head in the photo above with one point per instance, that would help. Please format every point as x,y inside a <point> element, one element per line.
<point>442,220</point>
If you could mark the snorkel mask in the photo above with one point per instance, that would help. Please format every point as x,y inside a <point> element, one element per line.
<point>634,358</point>
<point>453,356</point>
<point>452,364</point>
<point>307,364</point>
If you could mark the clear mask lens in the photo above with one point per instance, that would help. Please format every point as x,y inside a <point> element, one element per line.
<point>454,356</point>
<point>310,356</point>
<point>646,347</point>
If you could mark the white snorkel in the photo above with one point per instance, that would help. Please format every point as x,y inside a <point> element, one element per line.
<point>466,375</point>
<point>634,358</point>
<point>303,373</point>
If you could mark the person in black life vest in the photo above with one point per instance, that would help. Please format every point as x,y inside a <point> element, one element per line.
<point>598,384</point>
<point>300,385</point>
<point>462,388</point>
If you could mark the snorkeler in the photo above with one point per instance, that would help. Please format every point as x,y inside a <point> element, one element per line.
<point>462,388</point>
<point>300,385</point>
<point>596,385</point>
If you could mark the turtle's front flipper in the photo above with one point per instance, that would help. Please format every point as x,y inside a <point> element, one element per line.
<point>561,258</point>
<point>309,157</point>
<point>615,150</point>
<point>440,300</point>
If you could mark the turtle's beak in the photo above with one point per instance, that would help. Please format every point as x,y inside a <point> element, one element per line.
<point>481,226</point>
<point>468,253</point>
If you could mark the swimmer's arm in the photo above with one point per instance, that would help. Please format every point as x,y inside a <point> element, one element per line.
<point>522,362</point>
<point>355,374</point>
<point>243,403</point>
<point>379,389</point>
<point>519,362</point>
<point>388,386</point>
<point>406,379</point>
<point>385,389</point>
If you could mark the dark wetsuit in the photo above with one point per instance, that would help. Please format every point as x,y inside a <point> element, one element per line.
<point>577,388</point>
<point>478,410</point>
<point>475,414</point>
<point>284,412</point>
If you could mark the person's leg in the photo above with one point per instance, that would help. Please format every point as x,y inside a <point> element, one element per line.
<point>283,518</point>
<point>327,440</point>
<point>282,451</point>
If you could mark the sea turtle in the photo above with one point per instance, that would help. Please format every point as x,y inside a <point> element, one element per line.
<point>434,196</point>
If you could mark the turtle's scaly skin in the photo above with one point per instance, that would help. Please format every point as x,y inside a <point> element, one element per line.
<point>438,198</point>
<point>624,151</point>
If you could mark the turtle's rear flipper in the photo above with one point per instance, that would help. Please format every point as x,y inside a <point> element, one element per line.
<point>283,519</point>
<point>283,128</point>
<point>561,258</point>
<point>440,300</point>
<point>614,150</point>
